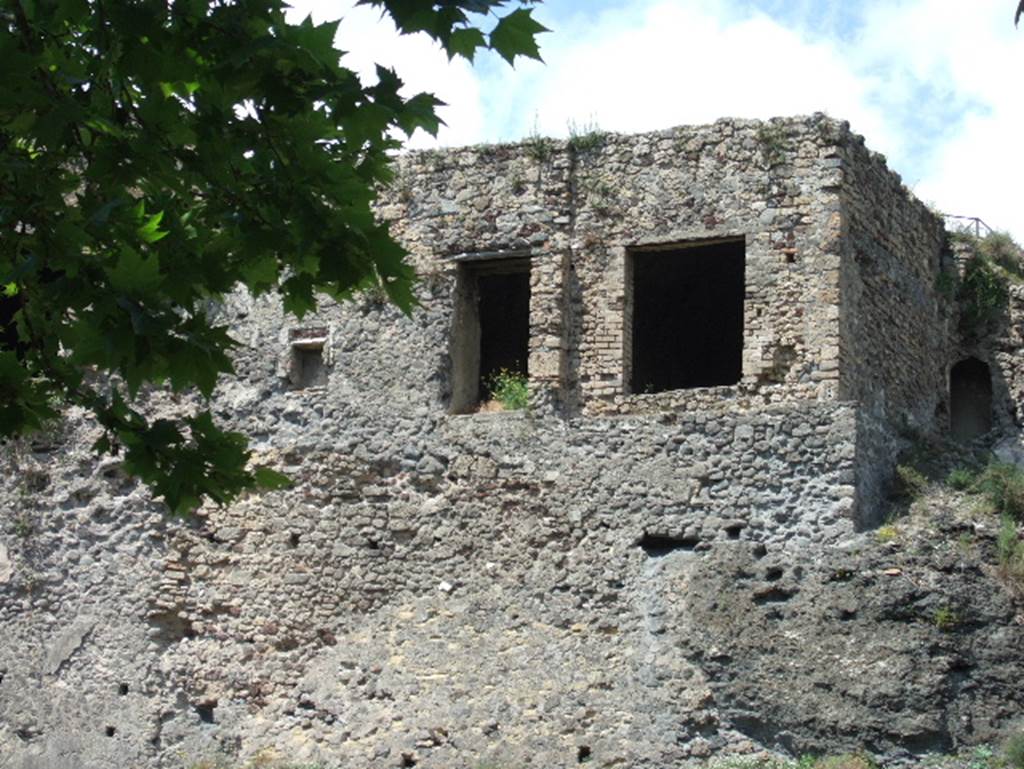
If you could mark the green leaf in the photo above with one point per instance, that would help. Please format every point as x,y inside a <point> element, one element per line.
<point>464,42</point>
<point>135,274</point>
<point>150,232</point>
<point>271,479</point>
<point>515,35</point>
<point>280,196</point>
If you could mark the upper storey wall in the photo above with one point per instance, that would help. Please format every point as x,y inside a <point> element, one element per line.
<point>897,325</point>
<point>583,210</point>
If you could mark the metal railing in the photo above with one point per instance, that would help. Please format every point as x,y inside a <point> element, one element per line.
<point>967,224</point>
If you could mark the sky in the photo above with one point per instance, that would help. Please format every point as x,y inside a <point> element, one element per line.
<point>931,84</point>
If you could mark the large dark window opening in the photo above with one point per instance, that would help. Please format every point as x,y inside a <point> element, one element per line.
<point>504,325</point>
<point>970,399</point>
<point>492,327</point>
<point>687,316</point>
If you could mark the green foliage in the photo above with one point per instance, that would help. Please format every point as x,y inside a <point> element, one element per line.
<point>1001,249</point>
<point>946,619</point>
<point>538,147</point>
<point>774,144</point>
<point>911,482</point>
<point>839,761</point>
<point>887,533</point>
<point>1002,485</point>
<point>585,138</point>
<point>1010,552</point>
<point>846,761</point>
<point>982,295</point>
<point>153,156</point>
<point>961,478</point>
<point>946,283</point>
<point>1013,751</point>
<point>510,389</point>
<point>981,757</point>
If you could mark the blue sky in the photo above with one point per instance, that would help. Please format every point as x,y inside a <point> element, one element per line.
<point>932,84</point>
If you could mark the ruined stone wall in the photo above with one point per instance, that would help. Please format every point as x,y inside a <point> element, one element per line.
<point>896,326</point>
<point>443,590</point>
<point>452,588</point>
<point>577,208</point>
<point>1000,350</point>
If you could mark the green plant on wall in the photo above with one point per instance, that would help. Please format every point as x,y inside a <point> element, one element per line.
<point>586,137</point>
<point>945,619</point>
<point>510,389</point>
<point>982,296</point>
<point>1010,552</point>
<point>1013,750</point>
<point>773,143</point>
<point>983,291</point>
<point>1002,485</point>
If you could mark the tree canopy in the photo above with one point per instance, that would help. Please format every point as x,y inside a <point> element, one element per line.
<point>155,154</point>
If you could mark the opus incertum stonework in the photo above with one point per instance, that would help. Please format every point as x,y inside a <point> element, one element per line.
<point>729,332</point>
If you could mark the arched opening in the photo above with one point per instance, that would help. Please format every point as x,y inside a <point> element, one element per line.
<point>970,399</point>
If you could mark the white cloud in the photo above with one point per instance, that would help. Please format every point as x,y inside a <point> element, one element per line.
<point>654,65</point>
<point>973,50</point>
<point>930,83</point>
<point>368,40</point>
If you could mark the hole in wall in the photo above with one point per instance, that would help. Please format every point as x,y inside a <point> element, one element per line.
<point>658,545</point>
<point>687,316</point>
<point>408,760</point>
<point>170,627</point>
<point>309,367</point>
<point>293,539</point>
<point>122,689</point>
<point>110,731</point>
<point>205,711</point>
<point>734,530</point>
<point>583,754</point>
<point>373,544</point>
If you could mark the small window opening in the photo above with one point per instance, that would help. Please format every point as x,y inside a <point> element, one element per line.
<point>122,689</point>
<point>308,364</point>
<point>583,754</point>
<point>687,311</point>
<point>492,327</point>
<point>970,399</point>
<point>110,731</point>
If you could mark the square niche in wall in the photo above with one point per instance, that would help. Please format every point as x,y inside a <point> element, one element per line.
<point>687,315</point>
<point>308,361</point>
<point>491,330</point>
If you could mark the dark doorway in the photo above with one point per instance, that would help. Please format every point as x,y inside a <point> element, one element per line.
<point>688,316</point>
<point>491,327</point>
<point>970,399</point>
<point>504,324</point>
